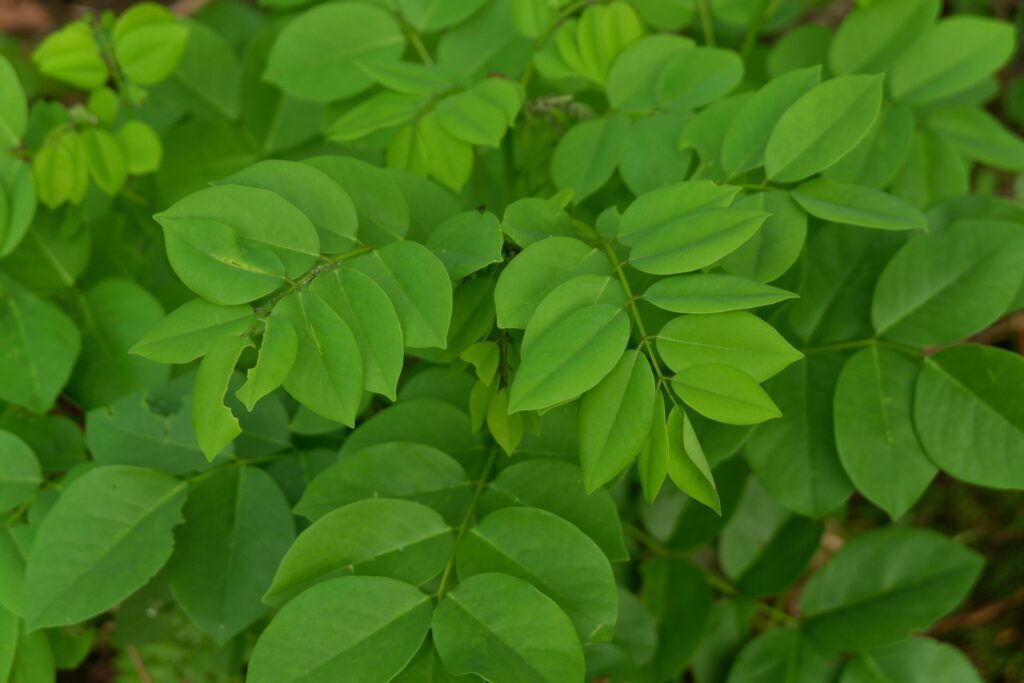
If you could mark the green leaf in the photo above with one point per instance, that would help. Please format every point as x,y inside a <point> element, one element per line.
<point>874,36</point>
<point>695,241</point>
<point>696,77</point>
<point>651,158</point>
<point>324,202</point>
<point>614,419</point>
<point>939,289</point>
<point>874,427</point>
<point>652,463</point>
<point>551,554</point>
<point>687,465</point>
<point>848,606</point>
<point>822,127</point>
<point>879,157</point>
<point>71,54</point>
<point>506,429</point>
<point>19,191</point>
<point>399,539</point>
<point>327,376</point>
<point>38,348</point>
<point>107,534</point>
<point>570,357</point>
<point>405,470</point>
<point>795,458</point>
<point>737,338</point>
<point>20,474</point>
<point>748,133</point>
<point>678,595</point>
<point>214,423</point>
<point>61,169</point>
<point>148,42</point>
<point>278,351</point>
<point>587,155</point>
<point>207,80</point>
<point>777,245</point>
<point>316,54</point>
<point>531,219</point>
<point>558,488</point>
<point>141,146</point>
<point>419,288</point>
<point>856,205</point>
<point>471,118</point>
<point>13,109</point>
<point>364,628</point>
<point>568,297</point>
<point>526,281</point>
<point>431,15</point>
<point>712,293</point>
<point>652,212</point>
<point>237,528</point>
<point>190,330</point>
<point>805,45</point>
<point>724,394</point>
<point>502,628</point>
<point>780,655</point>
<point>916,660</point>
<point>233,244</point>
<point>764,547</point>
<point>372,318</point>
<point>467,242</point>
<point>377,112</point>
<point>633,80</point>
<point>950,57</point>
<point>979,136</point>
<point>968,417</point>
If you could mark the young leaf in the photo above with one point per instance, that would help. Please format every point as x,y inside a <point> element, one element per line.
<point>214,423</point>
<point>467,243</point>
<point>190,330</point>
<point>586,156</point>
<point>517,632</point>
<point>572,295</point>
<point>855,205</point>
<point>846,606</point>
<point>652,211</point>
<point>614,419</point>
<point>874,36</point>
<point>687,465</point>
<point>652,463</point>
<point>694,78</point>
<point>399,539</point>
<point>724,394</point>
<point>695,241</point>
<point>278,351</point>
<point>106,536</point>
<point>13,109</point>
<point>712,293</point>
<point>362,627</point>
<point>148,42</point>
<point>554,556</point>
<point>71,54</point>
<point>822,126</point>
<point>777,245</point>
<point>736,338</point>
<point>237,528</point>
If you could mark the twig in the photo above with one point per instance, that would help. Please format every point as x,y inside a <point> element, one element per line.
<point>140,666</point>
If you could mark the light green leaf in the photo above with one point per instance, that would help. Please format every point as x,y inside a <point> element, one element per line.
<point>822,127</point>
<point>938,289</point>
<point>651,158</point>
<point>875,35</point>
<point>190,330</point>
<point>327,376</point>
<point>526,281</point>
<point>874,427</point>
<point>13,108</point>
<point>364,628</point>
<point>432,15</point>
<point>724,394</point>
<point>19,190</point>
<point>148,42</point>
<point>777,245</point>
<point>372,318</point>
<point>551,554</point>
<point>687,465</point>
<point>879,157</point>
<point>38,349</point>
<point>615,418</point>
<point>532,219</point>
<point>968,415</point>
<point>278,351</point>
<point>237,528</point>
<point>61,169</point>
<point>71,54</point>
<point>695,77</point>
<point>695,240</point>
<point>856,205</point>
<point>848,606</point>
<point>652,464</point>
<point>557,487</point>
<point>405,470</point>
<point>377,112</point>
<point>106,536</point>
<point>208,79</point>
<point>419,288</point>
<point>214,423</point>
<point>232,244</point>
<point>587,155</point>
<point>467,242</point>
<point>951,57</point>
<point>502,628</point>
<point>634,76</point>
<point>748,133</point>
<point>735,338</point>
<point>142,148</point>
<point>471,118</point>
<point>570,357</point>
<point>916,660</point>
<point>980,136</point>
<point>712,293</point>
<point>315,56</point>
<point>20,474</point>
<point>780,655</point>
<point>572,295</point>
<point>653,211</point>
<point>400,539</point>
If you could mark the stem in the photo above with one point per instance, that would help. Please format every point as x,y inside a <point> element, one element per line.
<point>329,264</point>
<point>417,42</point>
<point>750,39</point>
<point>467,517</point>
<point>706,24</point>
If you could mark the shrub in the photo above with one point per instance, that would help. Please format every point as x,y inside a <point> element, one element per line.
<point>357,341</point>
